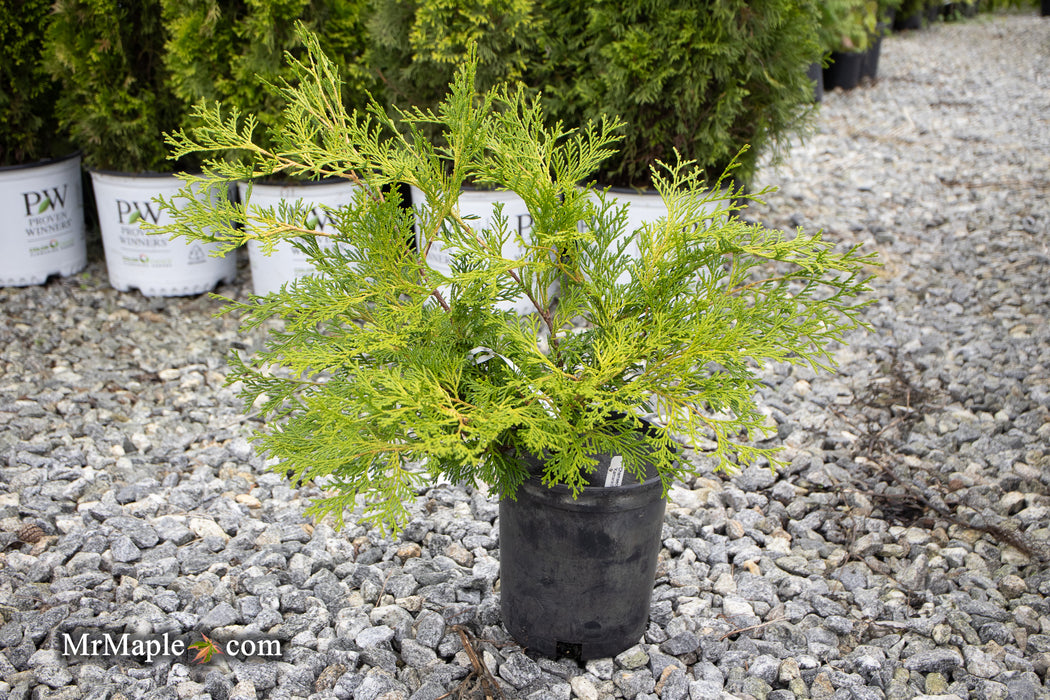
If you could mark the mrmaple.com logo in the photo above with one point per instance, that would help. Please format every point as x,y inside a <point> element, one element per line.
<point>147,648</point>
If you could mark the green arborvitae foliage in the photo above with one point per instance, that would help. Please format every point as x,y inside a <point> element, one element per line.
<point>386,373</point>
<point>116,100</point>
<point>28,129</point>
<point>229,50</point>
<point>887,10</point>
<point>848,25</point>
<point>416,46</point>
<point>703,78</point>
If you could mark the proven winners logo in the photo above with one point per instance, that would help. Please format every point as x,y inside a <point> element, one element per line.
<point>46,199</point>
<point>196,647</point>
<point>45,214</point>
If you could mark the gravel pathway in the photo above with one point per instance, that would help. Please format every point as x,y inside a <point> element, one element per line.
<point>904,552</point>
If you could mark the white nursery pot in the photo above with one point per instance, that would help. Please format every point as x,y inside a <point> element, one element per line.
<point>42,227</point>
<point>482,203</point>
<point>153,263</point>
<point>286,263</point>
<point>642,208</point>
<point>645,208</point>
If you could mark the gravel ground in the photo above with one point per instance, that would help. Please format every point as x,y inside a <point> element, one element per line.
<point>903,553</point>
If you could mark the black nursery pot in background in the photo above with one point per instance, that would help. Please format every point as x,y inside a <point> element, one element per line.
<point>815,72</point>
<point>577,575</point>
<point>909,22</point>
<point>844,70</point>
<point>869,67</point>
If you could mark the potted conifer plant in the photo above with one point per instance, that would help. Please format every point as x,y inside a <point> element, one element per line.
<point>42,232</point>
<point>116,102</point>
<point>848,29</point>
<point>391,372</point>
<point>229,51</point>
<point>910,15</point>
<point>885,10</point>
<point>718,82</point>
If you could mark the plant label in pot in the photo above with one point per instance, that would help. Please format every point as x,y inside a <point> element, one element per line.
<point>482,204</point>
<point>42,233</point>
<point>156,265</point>
<point>287,263</point>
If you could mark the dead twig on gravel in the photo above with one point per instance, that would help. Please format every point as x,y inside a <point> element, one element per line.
<point>730,633</point>
<point>874,447</point>
<point>1004,535</point>
<point>480,679</point>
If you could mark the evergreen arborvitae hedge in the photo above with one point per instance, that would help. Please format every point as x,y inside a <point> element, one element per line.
<point>116,100</point>
<point>415,46</point>
<point>28,128</point>
<point>228,50</point>
<point>705,77</point>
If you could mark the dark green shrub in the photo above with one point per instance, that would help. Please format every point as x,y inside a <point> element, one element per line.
<point>887,11</point>
<point>909,8</point>
<point>416,46</point>
<point>228,50</point>
<point>705,78</point>
<point>28,128</point>
<point>116,100</point>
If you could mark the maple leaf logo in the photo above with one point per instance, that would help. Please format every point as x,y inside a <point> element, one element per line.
<point>205,650</point>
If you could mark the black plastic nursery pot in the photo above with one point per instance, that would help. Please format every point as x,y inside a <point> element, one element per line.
<point>815,72</point>
<point>844,70</point>
<point>869,67</point>
<point>910,22</point>
<point>577,575</point>
<point>956,10</point>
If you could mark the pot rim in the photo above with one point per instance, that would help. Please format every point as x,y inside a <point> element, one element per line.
<point>134,175</point>
<point>41,162</point>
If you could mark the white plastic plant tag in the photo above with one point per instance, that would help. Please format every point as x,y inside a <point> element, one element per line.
<point>614,477</point>
<point>483,354</point>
